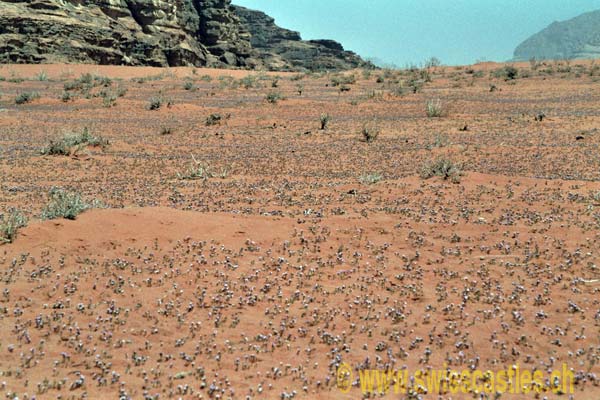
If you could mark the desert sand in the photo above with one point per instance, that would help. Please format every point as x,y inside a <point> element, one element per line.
<point>294,249</point>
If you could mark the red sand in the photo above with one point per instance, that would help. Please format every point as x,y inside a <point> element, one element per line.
<point>261,282</point>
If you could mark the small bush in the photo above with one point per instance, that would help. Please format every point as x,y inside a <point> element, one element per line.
<point>42,76</point>
<point>443,168</point>
<point>121,91</point>
<point>57,148</point>
<point>109,99</point>
<point>274,97</point>
<point>63,204</point>
<point>67,96</point>
<point>26,97</point>
<point>440,140</point>
<point>249,82</point>
<point>189,85</point>
<point>324,119</point>
<point>64,145</point>
<point>507,73</point>
<point>369,132</point>
<point>157,102</point>
<point>201,171</point>
<point>370,178</point>
<point>10,224</point>
<point>434,108</point>
<point>166,130</point>
<point>342,80</point>
<point>213,119</point>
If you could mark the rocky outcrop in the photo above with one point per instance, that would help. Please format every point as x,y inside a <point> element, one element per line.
<point>149,32</point>
<point>576,38</point>
<point>280,49</point>
<point>130,32</point>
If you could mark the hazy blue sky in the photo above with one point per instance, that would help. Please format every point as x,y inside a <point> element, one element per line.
<point>410,31</point>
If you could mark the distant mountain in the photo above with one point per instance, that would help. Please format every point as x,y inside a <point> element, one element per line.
<point>576,38</point>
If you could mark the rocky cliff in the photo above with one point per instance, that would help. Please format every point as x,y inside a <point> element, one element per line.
<point>576,38</point>
<point>157,33</point>
<point>280,49</point>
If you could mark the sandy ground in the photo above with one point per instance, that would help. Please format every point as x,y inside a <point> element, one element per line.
<point>304,249</point>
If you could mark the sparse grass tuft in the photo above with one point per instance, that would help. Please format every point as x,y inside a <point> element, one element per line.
<point>189,85</point>
<point>342,80</point>
<point>324,119</point>
<point>507,73</point>
<point>369,132</point>
<point>63,204</point>
<point>166,130</point>
<point>370,178</point>
<point>42,76</point>
<point>157,102</point>
<point>10,224</point>
<point>26,97</point>
<point>200,171</point>
<point>109,99</point>
<point>274,97</point>
<point>64,145</point>
<point>67,96</point>
<point>435,108</point>
<point>443,168</point>
<point>213,119</point>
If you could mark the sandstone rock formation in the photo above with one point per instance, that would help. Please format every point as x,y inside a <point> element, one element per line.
<point>576,38</point>
<point>281,49</point>
<point>156,33</point>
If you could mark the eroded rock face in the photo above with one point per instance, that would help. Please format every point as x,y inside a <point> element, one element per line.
<point>280,49</point>
<point>135,32</point>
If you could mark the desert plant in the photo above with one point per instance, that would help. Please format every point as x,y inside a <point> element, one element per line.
<point>57,148</point>
<point>68,141</point>
<point>341,80</point>
<point>369,132</point>
<point>63,204</point>
<point>324,119</point>
<point>274,97</point>
<point>370,178</point>
<point>434,108</point>
<point>213,119</point>
<point>507,73</point>
<point>155,103</point>
<point>198,170</point>
<point>189,85</point>
<point>26,97</point>
<point>433,62</point>
<point>109,99</point>
<point>10,224</point>
<point>398,90</point>
<point>166,130</point>
<point>249,82</point>
<point>443,168</point>
<point>67,96</point>
<point>440,140</point>
<point>121,91</point>
<point>42,76</point>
